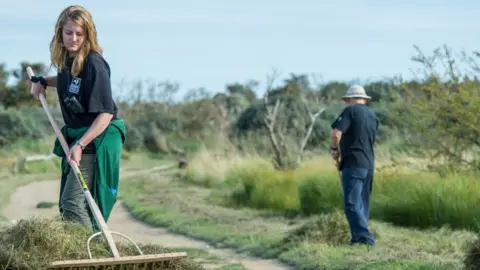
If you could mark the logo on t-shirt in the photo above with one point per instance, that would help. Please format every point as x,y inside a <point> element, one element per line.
<point>75,85</point>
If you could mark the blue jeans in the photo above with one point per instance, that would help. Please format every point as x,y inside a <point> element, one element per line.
<point>357,188</point>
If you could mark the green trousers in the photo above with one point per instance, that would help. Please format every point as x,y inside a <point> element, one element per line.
<point>73,205</point>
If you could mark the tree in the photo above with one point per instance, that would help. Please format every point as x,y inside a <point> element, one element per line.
<point>288,152</point>
<point>444,109</point>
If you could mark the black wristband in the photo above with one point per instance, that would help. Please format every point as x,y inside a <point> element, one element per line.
<point>39,79</point>
<point>334,148</point>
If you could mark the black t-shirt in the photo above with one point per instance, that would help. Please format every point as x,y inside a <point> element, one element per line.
<point>359,126</point>
<point>91,88</point>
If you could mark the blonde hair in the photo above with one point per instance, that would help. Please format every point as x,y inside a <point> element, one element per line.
<point>58,53</point>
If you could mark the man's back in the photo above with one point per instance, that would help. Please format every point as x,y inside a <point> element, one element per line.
<point>359,126</point>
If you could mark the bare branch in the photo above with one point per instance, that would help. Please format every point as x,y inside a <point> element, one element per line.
<point>271,120</point>
<point>313,117</point>
<point>271,113</point>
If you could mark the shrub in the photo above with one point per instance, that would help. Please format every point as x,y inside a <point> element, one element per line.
<point>134,139</point>
<point>154,141</point>
<point>16,125</point>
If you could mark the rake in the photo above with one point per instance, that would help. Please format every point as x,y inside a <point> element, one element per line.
<point>133,262</point>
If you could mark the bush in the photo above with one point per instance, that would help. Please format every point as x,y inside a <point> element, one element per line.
<point>134,139</point>
<point>15,125</point>
<point>154,141</point>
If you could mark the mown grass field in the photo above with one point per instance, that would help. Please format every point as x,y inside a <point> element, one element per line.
<point>421,221</point>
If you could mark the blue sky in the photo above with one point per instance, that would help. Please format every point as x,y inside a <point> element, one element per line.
<point>212,42</point>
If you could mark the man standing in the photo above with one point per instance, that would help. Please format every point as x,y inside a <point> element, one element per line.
<point>355,131</point>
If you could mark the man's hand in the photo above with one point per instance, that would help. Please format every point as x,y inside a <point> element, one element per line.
<point>75,154</point>
<point>335,154</point>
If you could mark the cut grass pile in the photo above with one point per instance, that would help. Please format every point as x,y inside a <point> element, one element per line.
<point>331,229</point>
<point>36,243</point>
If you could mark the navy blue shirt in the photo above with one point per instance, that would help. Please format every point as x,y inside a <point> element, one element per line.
<point>91,87</point>
<point>359,125</point>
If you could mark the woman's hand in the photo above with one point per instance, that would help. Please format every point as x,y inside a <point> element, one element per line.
<point>75,154</point>
<point>37,89</point>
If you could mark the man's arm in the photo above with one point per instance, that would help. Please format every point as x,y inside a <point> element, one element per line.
<point>335,137</point>
<point>341,125</point>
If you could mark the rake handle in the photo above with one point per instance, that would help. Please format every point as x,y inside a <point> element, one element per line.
<point>91,202</point>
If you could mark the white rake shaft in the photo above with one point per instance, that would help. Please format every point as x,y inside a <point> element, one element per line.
<point>91,202</point>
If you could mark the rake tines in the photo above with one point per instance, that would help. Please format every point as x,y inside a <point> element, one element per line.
<point>144,262</point>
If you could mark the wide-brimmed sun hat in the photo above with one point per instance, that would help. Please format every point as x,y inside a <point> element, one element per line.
<point>356,91</point>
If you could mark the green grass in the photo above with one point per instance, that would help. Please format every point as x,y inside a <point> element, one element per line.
<point>46,204</point>
<point>421,199</point>
<point>190,210</point>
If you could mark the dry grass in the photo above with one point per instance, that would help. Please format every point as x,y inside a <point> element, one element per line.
<point>36,243</point>
<point>209,167</point>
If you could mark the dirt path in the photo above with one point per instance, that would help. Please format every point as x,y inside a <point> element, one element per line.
<point>23,205</point>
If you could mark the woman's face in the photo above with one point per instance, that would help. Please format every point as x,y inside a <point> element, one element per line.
<point>73,36</point>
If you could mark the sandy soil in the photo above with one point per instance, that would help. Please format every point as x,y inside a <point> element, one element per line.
<point>23,205</point>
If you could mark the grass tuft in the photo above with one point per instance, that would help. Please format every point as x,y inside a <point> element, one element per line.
<point>46,204</point>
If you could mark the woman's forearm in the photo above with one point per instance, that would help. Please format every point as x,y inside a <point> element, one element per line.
<point>51,81</point>
<point>98,126</point>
